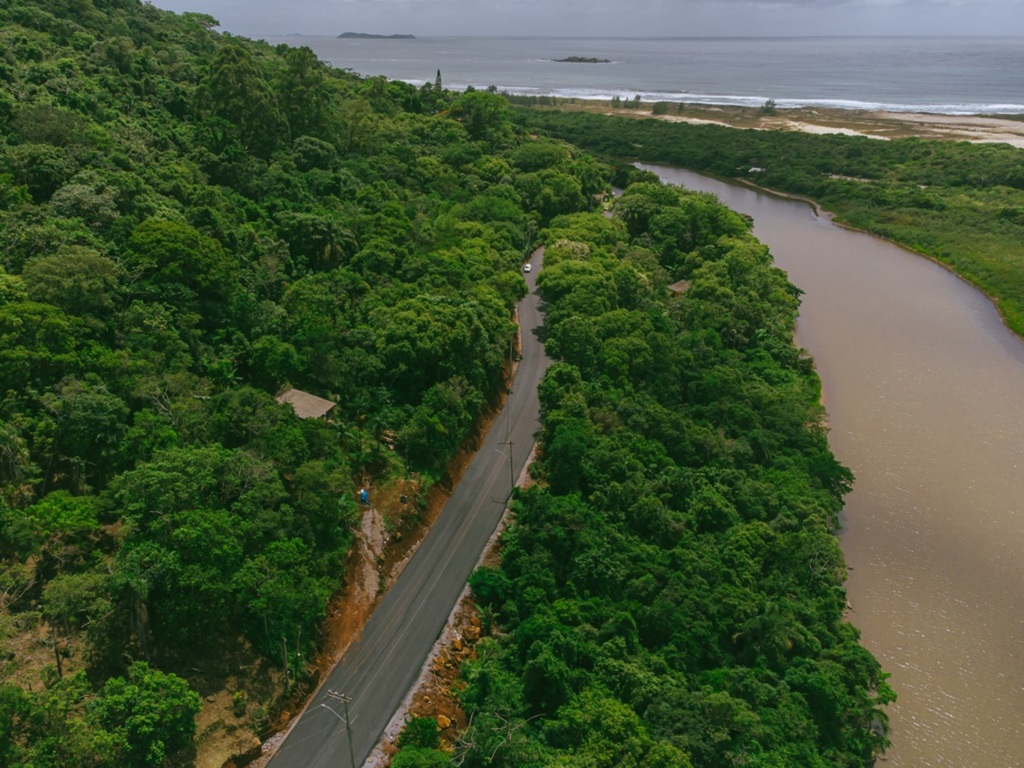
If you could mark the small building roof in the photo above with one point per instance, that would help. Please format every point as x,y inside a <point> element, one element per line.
<point>306,406</point>
<point>680,288</point>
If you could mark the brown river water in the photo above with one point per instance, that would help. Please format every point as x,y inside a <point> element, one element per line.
<point>924,389</point>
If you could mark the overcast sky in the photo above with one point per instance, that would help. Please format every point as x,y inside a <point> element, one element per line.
<point>641,18</point>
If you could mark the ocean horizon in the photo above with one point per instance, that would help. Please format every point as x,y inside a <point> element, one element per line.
<point>943,75</point>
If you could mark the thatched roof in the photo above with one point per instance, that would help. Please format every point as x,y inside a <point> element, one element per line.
<point>306,406</point>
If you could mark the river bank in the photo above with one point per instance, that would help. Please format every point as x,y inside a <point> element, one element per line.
<point>925,395</point>
<point>823,213</point>
<point>960,203</point>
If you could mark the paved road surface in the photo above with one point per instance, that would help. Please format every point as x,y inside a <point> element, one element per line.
<point>379,668</point>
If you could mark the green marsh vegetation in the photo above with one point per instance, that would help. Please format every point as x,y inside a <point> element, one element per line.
<point>959,203</point>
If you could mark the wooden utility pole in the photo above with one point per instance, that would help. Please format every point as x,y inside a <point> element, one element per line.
<point>287,681</point>
<point>508,418</point>
<point>338,696</point>
<point>508,442</point>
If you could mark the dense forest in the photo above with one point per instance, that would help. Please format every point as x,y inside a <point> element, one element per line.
<point>671,591</point>
<point>959,203</point>
<point>191,222</point>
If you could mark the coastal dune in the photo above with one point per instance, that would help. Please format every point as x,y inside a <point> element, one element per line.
<point>877,125</point>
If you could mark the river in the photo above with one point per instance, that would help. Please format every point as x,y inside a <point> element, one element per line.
<point>924,389</point>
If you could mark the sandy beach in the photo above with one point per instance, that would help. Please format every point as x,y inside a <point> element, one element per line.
<point>877,125</point>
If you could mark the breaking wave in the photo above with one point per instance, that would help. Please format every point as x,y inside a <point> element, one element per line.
<point>598,94</point>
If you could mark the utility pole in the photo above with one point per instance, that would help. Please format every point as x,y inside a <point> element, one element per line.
<point>508,442</point>
<point>511,470</point>
<point>338,696</point>
<point>508,417</point>
<point>287,675</point>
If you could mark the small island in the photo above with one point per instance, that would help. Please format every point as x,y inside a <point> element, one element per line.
<point>582,60</point>
<point>368,36</point>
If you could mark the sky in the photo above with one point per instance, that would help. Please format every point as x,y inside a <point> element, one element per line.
<point>612,18</point>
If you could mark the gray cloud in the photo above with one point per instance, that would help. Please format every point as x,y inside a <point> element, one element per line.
<point>613,17</point>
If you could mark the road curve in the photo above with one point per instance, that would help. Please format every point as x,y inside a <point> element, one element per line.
<point>378,669</point>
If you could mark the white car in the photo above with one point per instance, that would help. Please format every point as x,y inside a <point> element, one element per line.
<point>527,267</point>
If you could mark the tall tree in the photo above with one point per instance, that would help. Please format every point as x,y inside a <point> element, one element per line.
<point>236,89</point>
<point>303,93</point>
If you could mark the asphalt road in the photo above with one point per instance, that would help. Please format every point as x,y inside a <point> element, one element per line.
<point>378,669</point>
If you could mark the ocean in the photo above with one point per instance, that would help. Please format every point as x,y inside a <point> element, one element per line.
<point>947,75</point>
